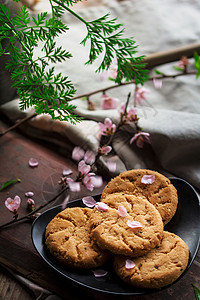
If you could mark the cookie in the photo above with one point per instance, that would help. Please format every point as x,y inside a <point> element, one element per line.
<point>161,193</point>
<point>158,268</point>
<point>112,229</point>
<point>68,238</point>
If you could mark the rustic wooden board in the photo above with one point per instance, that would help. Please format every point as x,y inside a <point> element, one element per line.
<point>16,248</point>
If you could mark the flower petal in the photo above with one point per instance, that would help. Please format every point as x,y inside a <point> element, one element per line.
<point>122,211</point>
<point>64,204</point>
<point>157,83</point>
<point>89,157</point>
<point>148,179</point>
<point>73,185</point>
<point>78,153</point>
<point>33,162</point>
<point>97,181</point>
<point>29,194</point>
<point>134,224</point>
<point>101,206</point>
<point>99,273</point>
<point>67,172</point>
<point>112,165</point>
<point>83,168</point>
<point>130,264</point>
<point>89,201</point>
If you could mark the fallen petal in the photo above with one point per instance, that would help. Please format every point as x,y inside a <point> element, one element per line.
<point>134,224</point>
<point>67,172</point>
<point>101,206</point>
<point>148,179</point>
<point>129,264</point>
<point>29,194</point>
<point>89,201</point>
<point>122,211</point>
<point>100,273</point>
<point>33,162</point>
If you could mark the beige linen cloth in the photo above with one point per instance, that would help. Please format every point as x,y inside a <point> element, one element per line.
<point>171,114</point>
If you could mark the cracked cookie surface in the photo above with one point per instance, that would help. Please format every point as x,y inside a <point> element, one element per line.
<point>111,231</point>
<point>159,267</point>
<point>161,193</point>
<point>68,238</point>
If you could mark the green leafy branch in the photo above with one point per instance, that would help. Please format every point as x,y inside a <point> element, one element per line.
<point>36,82</point>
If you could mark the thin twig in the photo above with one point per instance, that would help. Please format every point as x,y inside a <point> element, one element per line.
<point>131,82</point>
<point>28,216</point>
<point>18,124</point>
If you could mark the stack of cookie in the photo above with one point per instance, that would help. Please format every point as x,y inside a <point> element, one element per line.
<point>127,225</point>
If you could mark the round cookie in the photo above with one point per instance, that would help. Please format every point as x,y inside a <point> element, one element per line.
<point>159,267</point>
<point>68,238</point>
<point>161,193</point>
<point>111,231</point>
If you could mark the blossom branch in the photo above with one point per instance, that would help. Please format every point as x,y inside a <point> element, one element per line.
<point>103,90</point>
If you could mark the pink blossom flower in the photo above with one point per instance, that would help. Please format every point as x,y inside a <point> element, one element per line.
<point>89,201</point>
<point>140,94</point>
<point>83,167</point>
<point>13,204</point>
<point>122,211</point>
<point>129,264</point>
<point>140,138</point>
<point>33,162</point>
<point>100,273</point>
<point>108,128</point>
<point>157,83</point>
<point>104,149</point>
<point>134,224</point>
<point>90,181</point>
<point>101,206</point>
<point>73,185</point>
<point>108,102</point>
<point>148,179</point>
<point>30,204</point>
<point>183,63</point>
<point>132,115</point>
<point>78,153</point>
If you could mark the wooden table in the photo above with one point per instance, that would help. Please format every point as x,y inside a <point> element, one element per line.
<point>16,248</point>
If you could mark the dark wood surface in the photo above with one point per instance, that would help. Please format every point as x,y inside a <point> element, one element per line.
<point>16,249</point>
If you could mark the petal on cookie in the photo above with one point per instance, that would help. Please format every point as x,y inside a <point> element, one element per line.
<point>130,264</point>
<point>100,273</point>
<point>134,224</point>
<point>101,206</point>
<point>148,179</point>
<point>89,201</point>
<point>122,211</point>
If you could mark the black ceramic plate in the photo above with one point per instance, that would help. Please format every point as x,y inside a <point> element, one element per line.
<point>185,224</point>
